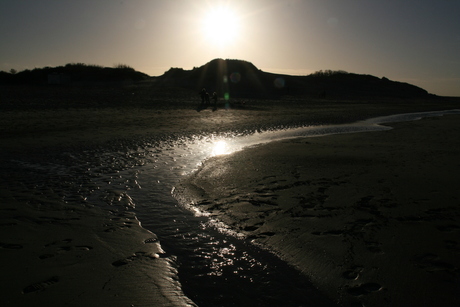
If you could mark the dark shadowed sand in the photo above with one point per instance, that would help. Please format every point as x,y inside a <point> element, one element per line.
<point>369,217</point>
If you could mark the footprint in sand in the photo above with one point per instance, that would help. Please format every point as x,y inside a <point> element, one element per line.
<point>333,232</point>
<point>60,249</point>
<point>136,256</point>
<point>433,263</point>
<point>65,241</point>
<point>448,228</point>
<point>150,240</point>
<point>364,289</point>
<point>253,227</point>
<point>373,247</point>
<point>353,273</point>
<point>452,245</point>
<point>120,222</point>
<point>119,226</point>
<point>10,246</point>
<point>267,234</point>
<point>8,224</point>
<point>40,286</point>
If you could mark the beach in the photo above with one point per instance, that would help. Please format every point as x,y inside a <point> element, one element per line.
<point>355,213</point>
<point>372,218</point>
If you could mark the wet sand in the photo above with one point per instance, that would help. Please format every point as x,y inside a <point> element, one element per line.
<point>58,118</point>
<point>58,248</point>
<point>372,218</point>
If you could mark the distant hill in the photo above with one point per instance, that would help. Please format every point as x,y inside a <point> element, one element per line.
<point>73,74</point>
<point>231,78</point>
<point>238,78</point>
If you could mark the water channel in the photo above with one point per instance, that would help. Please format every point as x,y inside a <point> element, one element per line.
<point>216,266</point>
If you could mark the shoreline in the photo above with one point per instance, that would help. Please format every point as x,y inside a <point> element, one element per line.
<point>352,211</point>
<point>63,239</point>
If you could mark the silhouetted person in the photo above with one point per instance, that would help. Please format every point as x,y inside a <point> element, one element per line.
<point>207,98</point>
<point>203,94</point>
<point>214,99</point>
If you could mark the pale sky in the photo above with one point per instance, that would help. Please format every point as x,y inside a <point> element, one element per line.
<point>414,41</point>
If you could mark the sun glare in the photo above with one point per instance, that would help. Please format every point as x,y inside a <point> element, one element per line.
<point>220,26</point>
<point>219,148</point>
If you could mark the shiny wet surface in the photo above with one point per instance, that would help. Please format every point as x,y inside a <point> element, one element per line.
<point>216,267</point>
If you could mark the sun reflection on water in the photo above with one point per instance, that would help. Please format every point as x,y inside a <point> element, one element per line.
<point>220,148</point>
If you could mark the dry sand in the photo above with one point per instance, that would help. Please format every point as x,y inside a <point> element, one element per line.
<point>372,218</point>
<point>55,252</point>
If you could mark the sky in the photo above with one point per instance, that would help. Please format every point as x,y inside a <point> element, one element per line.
<point>413,41</point>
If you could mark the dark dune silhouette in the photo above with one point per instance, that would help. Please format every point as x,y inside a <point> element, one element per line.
<point>229,78</point>
<point>77,74</point>
<point>243,79</point>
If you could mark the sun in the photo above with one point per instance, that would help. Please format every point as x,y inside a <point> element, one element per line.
<point>220,26</point>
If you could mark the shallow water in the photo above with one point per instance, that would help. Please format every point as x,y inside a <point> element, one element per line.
<point>216,267</point>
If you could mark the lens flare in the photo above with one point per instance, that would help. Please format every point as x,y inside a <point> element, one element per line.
<point>235,77</point>
<point>279,82</point>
